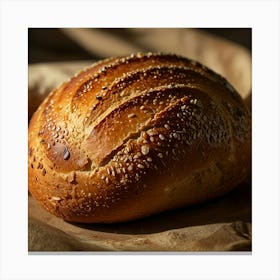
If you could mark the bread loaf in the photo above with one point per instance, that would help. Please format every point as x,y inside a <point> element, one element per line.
<point>134,136</point>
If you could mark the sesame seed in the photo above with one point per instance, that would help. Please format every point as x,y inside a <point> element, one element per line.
<point>145,150</point>
<point>56,198</point>
<point>98,97</point>
<point>149,159</point>
<point>140,166</point>
<point>161,137</point>
<point>139,55</point>
<point>130,167</point>
<point>160,155</point>
<point>66,154</point>
<point>167,126</point>
<point>131,115</point>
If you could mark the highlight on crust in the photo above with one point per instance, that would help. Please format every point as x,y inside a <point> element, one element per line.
<point>134,136</point>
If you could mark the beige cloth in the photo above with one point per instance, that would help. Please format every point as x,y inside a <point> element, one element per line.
<point>223,224</point>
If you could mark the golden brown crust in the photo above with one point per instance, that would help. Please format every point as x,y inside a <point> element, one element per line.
<point>133,136</point>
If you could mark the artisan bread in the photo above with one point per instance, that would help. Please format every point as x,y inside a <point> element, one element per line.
<point>133,136</point>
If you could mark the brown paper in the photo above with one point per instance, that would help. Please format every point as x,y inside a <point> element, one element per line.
<point>223,224</point>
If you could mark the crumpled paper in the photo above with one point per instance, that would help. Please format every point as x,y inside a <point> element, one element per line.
<point>223,224</point>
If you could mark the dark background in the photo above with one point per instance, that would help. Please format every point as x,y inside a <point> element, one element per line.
<point>51,44</point>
